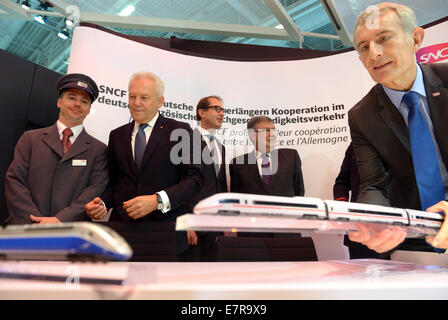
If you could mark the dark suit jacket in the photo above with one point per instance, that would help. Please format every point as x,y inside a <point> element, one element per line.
<point>348,178</point>
<point>44,182</point>
<point>287,181</point>
<point>212,183</point>
<point>180,180</point>
<point>381,141</point>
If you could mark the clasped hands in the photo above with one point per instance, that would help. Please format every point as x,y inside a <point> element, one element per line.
<point>135,208</point>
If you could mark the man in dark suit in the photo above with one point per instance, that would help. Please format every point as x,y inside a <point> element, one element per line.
<point>150,161</point>
<point>210,114</point>
<point>346,188</point>
<point>387,140</point>
<point>347,179</point>
<point>58,169</point>
<point>266,170</point>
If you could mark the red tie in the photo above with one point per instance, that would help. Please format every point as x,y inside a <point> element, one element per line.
<point>66,139</point>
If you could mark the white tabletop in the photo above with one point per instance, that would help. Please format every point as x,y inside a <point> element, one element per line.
<point>344,279</point>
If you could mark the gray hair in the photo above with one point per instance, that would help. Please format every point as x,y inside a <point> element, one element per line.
<point>160,86</point>
<point>407,16</point>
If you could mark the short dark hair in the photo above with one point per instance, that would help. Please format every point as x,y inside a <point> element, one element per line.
<point>204,103</point>
<point>253,121</point>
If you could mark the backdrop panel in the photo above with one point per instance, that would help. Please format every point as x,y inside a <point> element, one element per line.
<point>307,99</point>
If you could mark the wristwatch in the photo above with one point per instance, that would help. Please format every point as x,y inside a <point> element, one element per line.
<point>159,202</point>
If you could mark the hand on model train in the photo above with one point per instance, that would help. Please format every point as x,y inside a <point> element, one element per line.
<point>378,238</point>
<point>44,220</point>
<point>141,206</point>
<point>440,240</point>
<point>95,209</point>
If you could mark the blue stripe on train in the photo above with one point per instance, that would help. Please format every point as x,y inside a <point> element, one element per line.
<point>70,245</point>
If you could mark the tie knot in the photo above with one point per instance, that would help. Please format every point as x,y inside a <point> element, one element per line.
<point>265,160</point>
<point>142,126</point>
<point>410,98</point>
<point>67,132</point>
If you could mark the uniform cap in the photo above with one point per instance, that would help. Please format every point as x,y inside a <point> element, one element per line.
<point>78,81</point>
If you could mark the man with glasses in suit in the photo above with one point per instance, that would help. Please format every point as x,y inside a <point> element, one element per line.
<point>210,115</point>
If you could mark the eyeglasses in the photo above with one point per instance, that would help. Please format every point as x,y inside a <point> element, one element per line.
<point>271,131</point>
<point>217,108</point>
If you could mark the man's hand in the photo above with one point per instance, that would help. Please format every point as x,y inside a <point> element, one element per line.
<point>95,209</point>
<point>378,238</point>
<point>141,206</point>
<point>44,220</point>
<point>440,240</point>
<point>192,238</point>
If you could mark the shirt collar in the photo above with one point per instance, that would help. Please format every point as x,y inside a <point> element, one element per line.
<point>259,154</point>
<point>76,130</point>
<point>205,132</point>
<point>419,86</point>
<point>150,123</point>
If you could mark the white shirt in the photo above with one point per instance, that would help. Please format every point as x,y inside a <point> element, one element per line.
<point>206,136</point>
<point>147,130</point>
<point>76,131</point>
<point>259,157</point>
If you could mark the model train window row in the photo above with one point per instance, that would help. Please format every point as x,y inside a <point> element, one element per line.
<point>314,208</point>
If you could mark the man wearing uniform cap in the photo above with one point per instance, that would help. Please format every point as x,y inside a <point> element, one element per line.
<point>56,170</point>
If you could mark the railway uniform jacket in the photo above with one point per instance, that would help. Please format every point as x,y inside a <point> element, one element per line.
<point>43,182</point>
<point>381,143</point>
<point>158,172</point>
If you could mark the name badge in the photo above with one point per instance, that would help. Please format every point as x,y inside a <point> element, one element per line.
<point>79,163</point>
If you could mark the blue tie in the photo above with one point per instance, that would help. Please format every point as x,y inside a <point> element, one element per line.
<point>140,144</point>
<point>426,165</point>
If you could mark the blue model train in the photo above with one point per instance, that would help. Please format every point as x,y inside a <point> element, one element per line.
<point>79,241</point>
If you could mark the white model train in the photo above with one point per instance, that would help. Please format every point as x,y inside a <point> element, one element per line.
<point>314,208</point>
<point>77,241</point>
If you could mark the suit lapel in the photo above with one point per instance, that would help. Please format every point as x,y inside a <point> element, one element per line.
<point>159,131</point>
<point>51,139</point>
<point>126,140</point>
<point>80,145</point>
<point>437,97</point>
<point>253,169</point>
<point>275,165</point>
<point>392,117</point>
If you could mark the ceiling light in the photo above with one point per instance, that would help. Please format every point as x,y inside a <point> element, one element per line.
<point>127,11</point>
<point>26,5</point>
<point>63,34</point>
<point>41,19</point>
<point>69,23</point>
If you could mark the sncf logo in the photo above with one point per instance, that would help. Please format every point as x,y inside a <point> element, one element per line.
<point>435,53</point>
